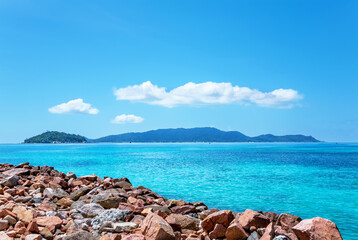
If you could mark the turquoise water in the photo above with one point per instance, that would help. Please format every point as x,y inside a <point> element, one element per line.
<point>308,180</point>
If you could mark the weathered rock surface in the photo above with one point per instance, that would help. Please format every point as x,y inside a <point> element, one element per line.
<point>317,229</point>
<point>253,218</point>
<point>156,228</point>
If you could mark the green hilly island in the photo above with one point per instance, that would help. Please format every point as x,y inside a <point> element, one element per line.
<point>200,134</point>
<point>56,137</point>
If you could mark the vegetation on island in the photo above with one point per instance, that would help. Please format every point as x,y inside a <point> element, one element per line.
<point>203,134</point>
<point>56,137</point>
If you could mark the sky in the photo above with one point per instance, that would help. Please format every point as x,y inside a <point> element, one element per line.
<point>97,68</point>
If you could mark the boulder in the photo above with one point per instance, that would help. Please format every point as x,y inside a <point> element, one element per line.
<point>223,217</point>
<point>80,235</point>
<point>272,216</point>
<point>10,219</point>
<point>183,209</point>
<point>158,207</point>
<point>124,227</point>
<point>111,237</point>
<point>287,221</point>
<point>78,193</point>
<point>218,231</point>
<point>112,215</point>
<point>49,221</point>
<point>54,193</point>
<point>65,202</point>
<point>106,201</point>
<point>269,232</point>
<point>26,215</point>
<point>156,228</point>
<point>236,232</point>
<point>252,218</point>
<point>4,236</point>
<point>3,225</point>
<point>91,210</point>
<point>186,222</point>
<point>46,233</point>
<point>16,171</point>
<point>317,228</point>
<point>10,181</point>
<point>33,237</point>
<point>133,237</point>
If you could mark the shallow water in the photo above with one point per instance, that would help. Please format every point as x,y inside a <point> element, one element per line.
<point>305,179</point>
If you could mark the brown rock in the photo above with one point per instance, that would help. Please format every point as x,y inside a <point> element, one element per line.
<point>269,233</point>
<point>80,235</point>
<point>6,212</point>
<point>286,232</point>
<point>49,221</point>
<point>111,237</point>
<point>223,217</point>
<point>206,213</point>
<point>236,232</point>
<point>138,219</point>
<point>183,209</point>
<point>146,211</point>
<point>134,237</point>
<point>16,171</point>
<point>78,193</point>
<point>33,237</point>
<point>218,231</point>
<point>3,225</point>
<point>173,223</point>
<point>10,219</point>
<point>33,227</point>
<point>161,213</point>
<point>186,222</point>
<point>316,229</point>
<point>46,233</point>
<point>252,218</point>
<point>4,236</point>
<point>156,228</point>
<point>25,216</point>
<point>287,221</point>
<point>272,216</point>
<point>65,202</point>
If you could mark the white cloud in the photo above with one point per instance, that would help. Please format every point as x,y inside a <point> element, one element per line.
<point>74,106</point>
<point>122,119</point>
<point>207,93</point>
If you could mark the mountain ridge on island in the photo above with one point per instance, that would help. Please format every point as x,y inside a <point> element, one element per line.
<point>169,135</point>
<point>199,134</point>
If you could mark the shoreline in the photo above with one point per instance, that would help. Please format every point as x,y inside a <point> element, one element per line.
<point>42,203</point>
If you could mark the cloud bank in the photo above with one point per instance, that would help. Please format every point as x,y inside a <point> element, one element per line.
<point>122,119</point>
<point>74,106</point>
<point>207,93</point>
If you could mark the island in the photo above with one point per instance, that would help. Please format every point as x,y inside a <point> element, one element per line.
<point>199,134</point>
<point>171,135</point>
<point>56,137</point>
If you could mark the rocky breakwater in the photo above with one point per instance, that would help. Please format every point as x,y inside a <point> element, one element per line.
<point>42,203</point>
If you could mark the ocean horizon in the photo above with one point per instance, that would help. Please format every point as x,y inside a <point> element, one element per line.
<point>304,179</point>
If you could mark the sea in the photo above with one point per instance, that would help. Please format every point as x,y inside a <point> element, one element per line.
<point>304,179</point>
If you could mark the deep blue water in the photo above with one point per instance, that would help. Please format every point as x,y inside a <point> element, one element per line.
<point>306,179</point>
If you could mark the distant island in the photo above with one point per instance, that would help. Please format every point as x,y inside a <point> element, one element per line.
<point>203,134</point>
<point>56,137</point>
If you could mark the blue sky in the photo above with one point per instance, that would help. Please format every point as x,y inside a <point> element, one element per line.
<point>142,65</point>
